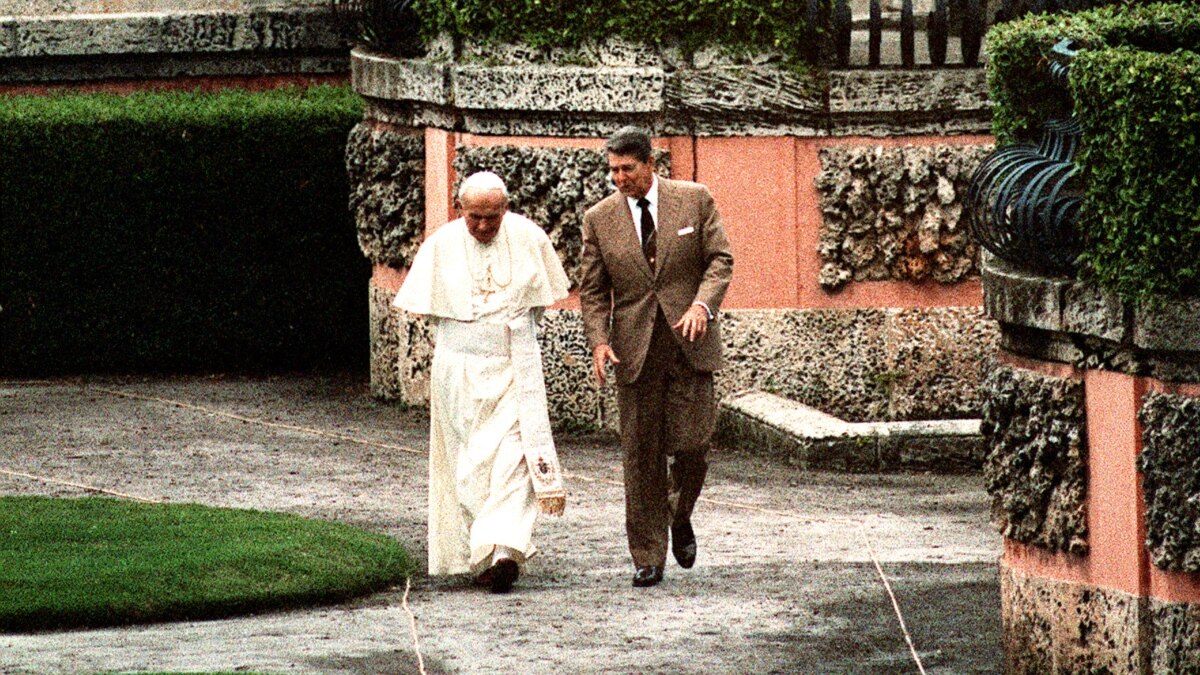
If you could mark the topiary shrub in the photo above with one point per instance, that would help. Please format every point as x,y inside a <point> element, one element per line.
<point>1134,88</point>
<point>1139,165</point>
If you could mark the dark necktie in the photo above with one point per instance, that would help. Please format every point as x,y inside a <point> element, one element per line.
<point>649,247</point>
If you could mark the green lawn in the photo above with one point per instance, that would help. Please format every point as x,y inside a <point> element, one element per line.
<point>98,561</point>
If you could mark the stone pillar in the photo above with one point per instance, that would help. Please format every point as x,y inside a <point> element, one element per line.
<point>1092,412</point>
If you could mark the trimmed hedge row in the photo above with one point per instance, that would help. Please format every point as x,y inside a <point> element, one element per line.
<point>179,231</point>
<point>736,25</point>
<point>1135,87</point>
<point>1140,165</point>
<point>1020,88</point>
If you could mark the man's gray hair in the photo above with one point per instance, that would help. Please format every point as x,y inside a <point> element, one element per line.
<point>630,142</point>
<point>482,181</point>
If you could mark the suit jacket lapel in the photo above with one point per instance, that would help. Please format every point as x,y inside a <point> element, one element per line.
<point>627,235</point>
<point>668,215</point>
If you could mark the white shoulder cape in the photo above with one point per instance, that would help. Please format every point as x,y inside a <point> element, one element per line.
<point>438,283</point>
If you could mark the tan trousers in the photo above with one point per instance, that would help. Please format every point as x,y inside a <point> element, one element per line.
<point>667,421</point>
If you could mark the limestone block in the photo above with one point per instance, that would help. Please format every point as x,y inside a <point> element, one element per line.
<point>44,7</point>
<point>1172,326</point>
<point>558,88</point>
<point>810,439</point>
<point>1036,467</point>
<point>1088,309</point>
<point>1021,298</point>
<point>736,90</point>
<point>1052,626</point>
<point>895,213</point>
<point>942,446</point>
<point>70,36</point>
<point>385,77</point>
<point>806,438</point>
<point>386,171</point>
<point>612,52</point>
<point>545,123</point>
<point>897,91</point>
<point>1176,631</point>
<point>1170,466</point>
<point>219,31</point>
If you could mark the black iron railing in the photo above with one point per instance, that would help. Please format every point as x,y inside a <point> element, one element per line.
<point>892,39</point>
<point>1023,201</point>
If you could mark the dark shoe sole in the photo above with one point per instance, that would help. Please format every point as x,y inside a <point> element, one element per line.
<point>504,575</point>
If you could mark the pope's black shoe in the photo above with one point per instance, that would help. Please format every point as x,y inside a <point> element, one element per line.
<point>683,544</point>
<point>647,576</point>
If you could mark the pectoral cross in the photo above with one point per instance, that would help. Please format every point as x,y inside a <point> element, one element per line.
<point>488,287</point>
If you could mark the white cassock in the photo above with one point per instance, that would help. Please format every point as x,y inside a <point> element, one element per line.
<point>492,461</point>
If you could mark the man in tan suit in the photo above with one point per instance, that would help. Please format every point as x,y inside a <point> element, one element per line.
<point>656,264</point>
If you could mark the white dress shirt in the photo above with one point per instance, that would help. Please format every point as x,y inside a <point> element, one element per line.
<point>636,211</point>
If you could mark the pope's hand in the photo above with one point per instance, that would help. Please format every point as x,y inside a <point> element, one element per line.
<point>601,355</point>
<point>694,323</point>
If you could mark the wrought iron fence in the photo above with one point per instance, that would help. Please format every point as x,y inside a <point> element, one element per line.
<point>1023,201</point>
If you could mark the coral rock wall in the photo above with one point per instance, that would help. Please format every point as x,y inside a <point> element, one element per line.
<point>1170,466</point>
<point>386,169</point>
<point>896,213</point>
<point>1036,468</point>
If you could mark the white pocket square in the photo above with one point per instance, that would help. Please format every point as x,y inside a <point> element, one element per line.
<point>687,230</point>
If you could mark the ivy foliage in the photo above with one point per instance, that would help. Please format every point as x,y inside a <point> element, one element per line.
<point>736,25</point>
<point>1135,88</point>
<point>178,231</point>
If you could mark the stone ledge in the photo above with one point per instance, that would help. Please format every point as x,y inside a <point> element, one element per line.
<point>256,41</point>
<point>1081,309</point>
<point>530,98</point>
<point>168,32</point>
<point>810,439</point>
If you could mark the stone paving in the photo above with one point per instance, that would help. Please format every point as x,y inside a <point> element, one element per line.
<point>788,577</point>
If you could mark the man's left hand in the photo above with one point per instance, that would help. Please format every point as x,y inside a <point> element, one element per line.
<point>694,323</point>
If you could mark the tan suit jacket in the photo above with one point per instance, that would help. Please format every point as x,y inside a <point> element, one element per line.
<point>620,294</point>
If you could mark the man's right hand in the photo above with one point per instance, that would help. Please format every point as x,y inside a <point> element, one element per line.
<point>601,355</point>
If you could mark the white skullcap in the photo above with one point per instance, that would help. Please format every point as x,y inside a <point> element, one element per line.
<point>482,181</point>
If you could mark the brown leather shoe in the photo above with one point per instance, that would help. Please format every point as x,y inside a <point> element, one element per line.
<point>647,576</point>
<point>683,545</point>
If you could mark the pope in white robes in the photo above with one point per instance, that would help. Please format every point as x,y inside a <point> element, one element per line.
<point>484,281</point>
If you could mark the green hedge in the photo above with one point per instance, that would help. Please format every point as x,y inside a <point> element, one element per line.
<point>1023,97</point>
<point>1140,165</point>
<point>737,25</point>
<point>178,231</point>
<point>1135,87</point>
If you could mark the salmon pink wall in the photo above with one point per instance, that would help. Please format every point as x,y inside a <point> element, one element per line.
<point>766,192</point>
<point>754,183</point>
